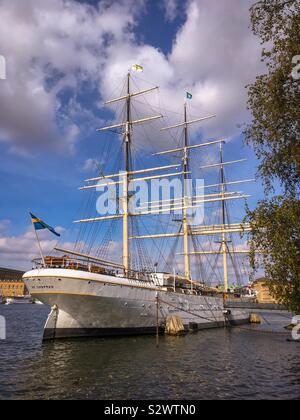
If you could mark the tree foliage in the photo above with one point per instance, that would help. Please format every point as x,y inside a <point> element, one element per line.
<point>274,101</point>
<point>276,241</point>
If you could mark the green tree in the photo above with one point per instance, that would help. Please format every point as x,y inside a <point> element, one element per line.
<point>274,133</point>
<point>276,242</point>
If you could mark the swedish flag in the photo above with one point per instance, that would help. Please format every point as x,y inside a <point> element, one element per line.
<point>40,225</point>
<point>138,68</point>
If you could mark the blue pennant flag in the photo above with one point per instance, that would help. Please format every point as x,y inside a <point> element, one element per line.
<point>189,95</point>
<point>40,225</point>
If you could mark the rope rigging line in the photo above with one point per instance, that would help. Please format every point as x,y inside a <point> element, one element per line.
<point>142,253</point>
<point>173,250</point>
<point>188,312</point>
<point>283,333</point>
<point>158,220</point>
<point>200,267</point>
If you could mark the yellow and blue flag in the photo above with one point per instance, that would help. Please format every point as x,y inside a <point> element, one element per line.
<point>138,68</point>
<point>40,225</point>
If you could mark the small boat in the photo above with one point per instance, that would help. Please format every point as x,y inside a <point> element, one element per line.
<point>9,301</point>
<point>37,302</point>
<point>18,300</point>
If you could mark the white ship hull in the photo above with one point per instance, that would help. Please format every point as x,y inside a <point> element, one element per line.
<point>87,304</point>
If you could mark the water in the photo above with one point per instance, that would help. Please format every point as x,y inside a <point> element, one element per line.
<point>216,364</point>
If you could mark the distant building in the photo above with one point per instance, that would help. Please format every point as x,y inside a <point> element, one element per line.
<point>11,283</point>
<point>262,291</point>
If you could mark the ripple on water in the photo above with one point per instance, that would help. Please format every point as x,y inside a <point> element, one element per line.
<point>216,364</point>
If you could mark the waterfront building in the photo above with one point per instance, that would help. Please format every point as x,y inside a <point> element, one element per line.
<point>262,291</point>
<point>11,283</point>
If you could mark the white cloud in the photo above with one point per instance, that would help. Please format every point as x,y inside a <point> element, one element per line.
<point>91,165</point>
<point>215,55</point>
<point>18,251</point>
<point>57,46</point>
<point>4,226</point>
<point>171,9</point>
<point>51,48</point>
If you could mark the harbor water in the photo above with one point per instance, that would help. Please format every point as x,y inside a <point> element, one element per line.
<point>216,364</point>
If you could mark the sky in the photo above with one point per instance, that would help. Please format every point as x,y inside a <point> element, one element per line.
<point>65,58</point>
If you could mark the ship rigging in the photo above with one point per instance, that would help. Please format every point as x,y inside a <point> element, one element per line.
<point>90,291</point>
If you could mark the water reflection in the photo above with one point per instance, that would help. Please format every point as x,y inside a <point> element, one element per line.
<point>213,364</point>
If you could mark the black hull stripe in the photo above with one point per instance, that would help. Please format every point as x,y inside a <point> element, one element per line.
<point>60,333</point>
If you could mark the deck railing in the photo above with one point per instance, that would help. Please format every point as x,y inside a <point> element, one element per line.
<point>83,264</point>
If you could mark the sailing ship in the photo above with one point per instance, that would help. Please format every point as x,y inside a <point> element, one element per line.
<point>91,295</point>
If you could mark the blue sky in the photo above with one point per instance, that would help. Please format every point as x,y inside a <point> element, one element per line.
<point>65,59</point>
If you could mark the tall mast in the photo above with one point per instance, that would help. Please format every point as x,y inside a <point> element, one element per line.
<point>182,204</point>
<point>127,126</point>
<point>127,140</point>
<point>186,233</point>
<point>224,238</point>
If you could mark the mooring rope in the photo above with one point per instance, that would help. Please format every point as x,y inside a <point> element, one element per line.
<point>263,331</point>
<point>236,327</point>
<point>185,310</point>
